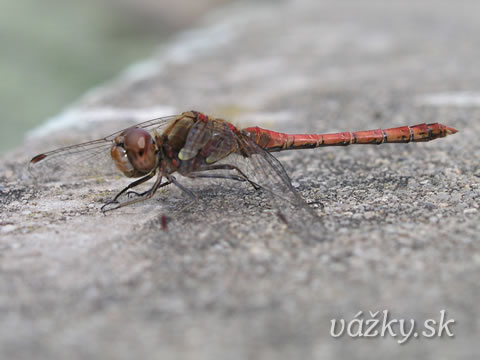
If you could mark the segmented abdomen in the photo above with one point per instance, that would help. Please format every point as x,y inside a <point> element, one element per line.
<point>275,141</point>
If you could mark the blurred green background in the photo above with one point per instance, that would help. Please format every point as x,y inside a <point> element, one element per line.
<point>52,51</point>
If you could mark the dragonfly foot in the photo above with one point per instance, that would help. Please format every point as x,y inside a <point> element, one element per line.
<point>104,209</point>
<point>255,185</point>
<point>318,203</point>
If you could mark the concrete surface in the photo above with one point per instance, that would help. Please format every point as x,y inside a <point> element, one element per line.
<point>226,280</point>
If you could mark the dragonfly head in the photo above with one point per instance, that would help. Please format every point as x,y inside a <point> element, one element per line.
<point>134,152</point>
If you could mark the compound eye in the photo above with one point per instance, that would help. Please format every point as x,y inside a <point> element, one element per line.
<point>141,150</point>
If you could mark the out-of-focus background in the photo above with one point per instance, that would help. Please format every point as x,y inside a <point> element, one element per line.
<point>52,51</point>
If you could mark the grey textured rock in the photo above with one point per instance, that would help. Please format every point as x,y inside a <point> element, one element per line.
<point>227,280</point>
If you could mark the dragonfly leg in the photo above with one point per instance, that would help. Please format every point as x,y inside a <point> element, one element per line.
<point>143,196</point>
<point>241,177</point>
<point>137,194</point>
<point>219,176</point>
<point>130,186</point>
<point>187,191</point>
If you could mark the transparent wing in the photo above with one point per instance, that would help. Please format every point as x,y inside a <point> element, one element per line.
<point>157,124</point>
<point>85,160</point>
<point>225,146</point>
<point>267,171</point>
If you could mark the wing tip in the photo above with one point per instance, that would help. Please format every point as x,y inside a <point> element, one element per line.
<point>38,158</point>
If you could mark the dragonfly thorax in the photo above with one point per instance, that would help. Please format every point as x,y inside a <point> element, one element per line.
<point>134,152</point>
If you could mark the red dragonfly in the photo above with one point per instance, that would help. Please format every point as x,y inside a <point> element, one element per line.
<point>198,146</point>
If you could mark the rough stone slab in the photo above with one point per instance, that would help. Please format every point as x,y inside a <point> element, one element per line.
<point>226,280</point>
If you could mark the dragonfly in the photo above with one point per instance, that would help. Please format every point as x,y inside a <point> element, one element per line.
<point>195,146</point>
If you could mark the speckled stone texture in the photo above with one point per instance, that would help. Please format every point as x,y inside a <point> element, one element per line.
<point>226,280</point>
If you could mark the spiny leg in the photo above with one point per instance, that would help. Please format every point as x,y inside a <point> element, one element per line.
<point>187,191</point>
<point>137,194</point>
<point>241,177</point>
<point>219,176</point>
<point>144,196</point>
<point>130,186</point>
